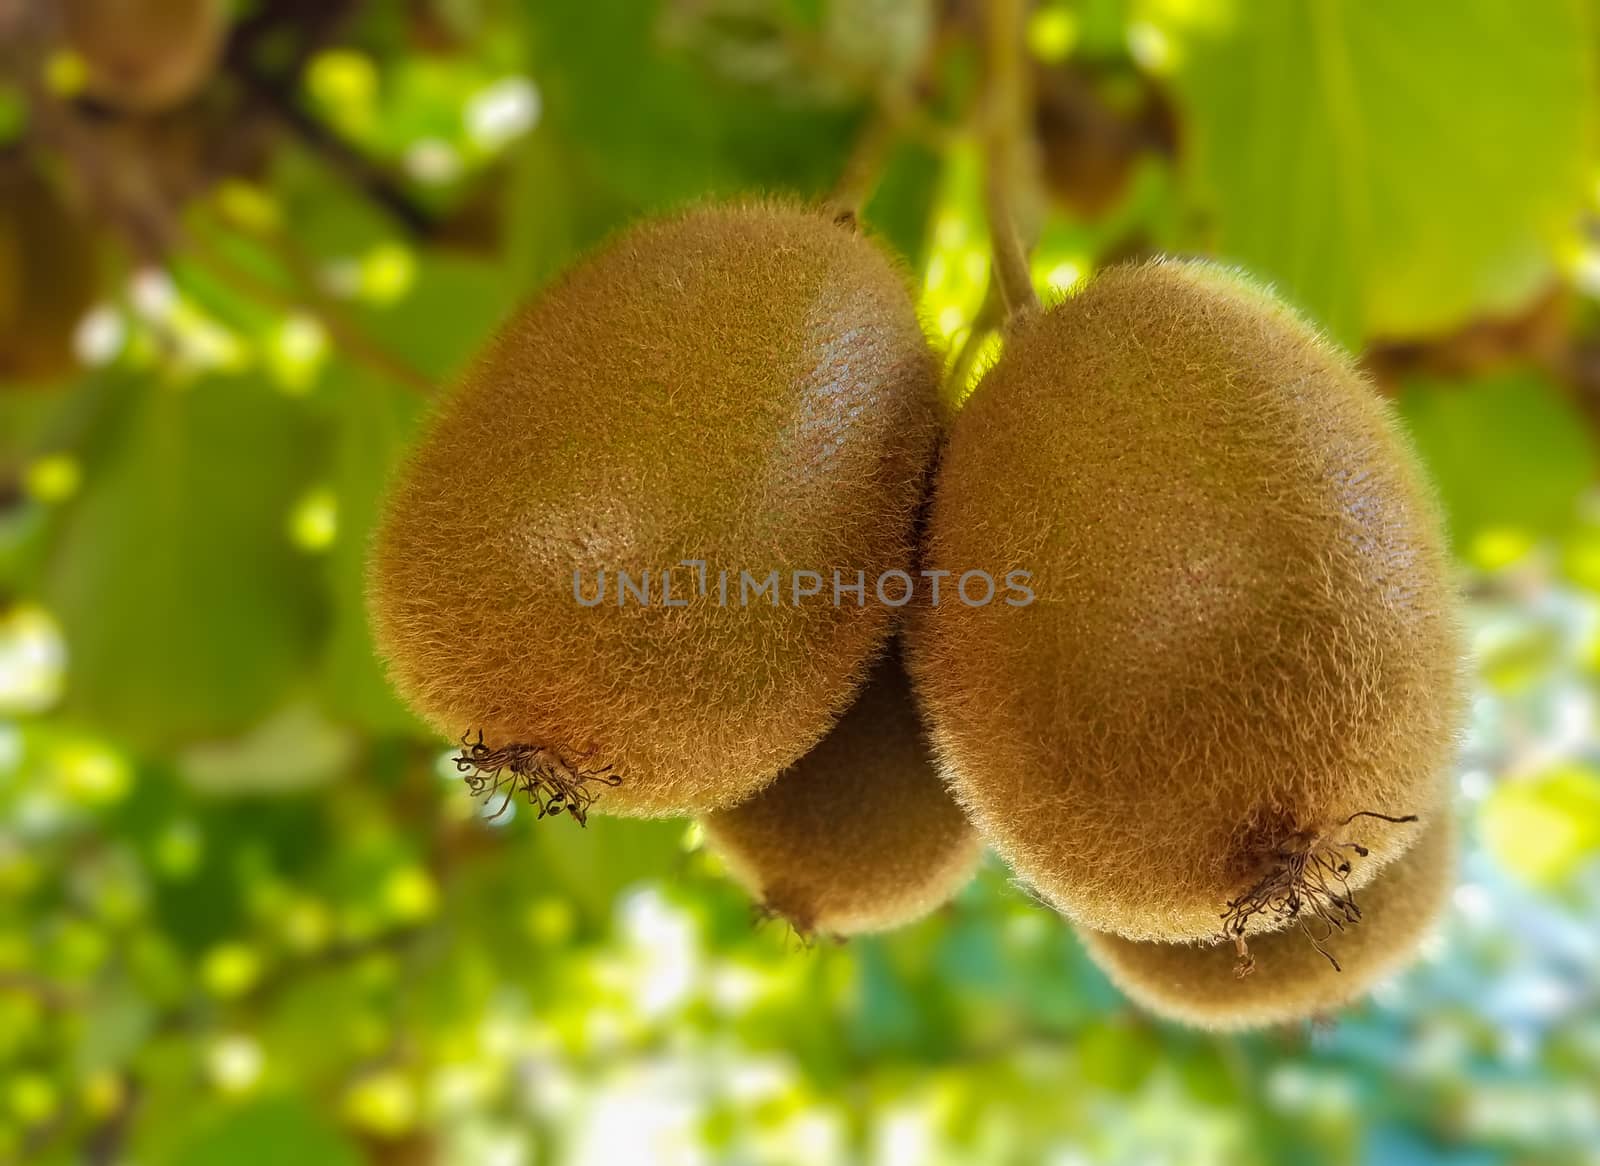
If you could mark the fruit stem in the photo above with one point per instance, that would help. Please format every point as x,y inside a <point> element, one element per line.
<point>898,110</point>
<point>1005,138</point>
<point>863,169</point>
<point>990,316</point>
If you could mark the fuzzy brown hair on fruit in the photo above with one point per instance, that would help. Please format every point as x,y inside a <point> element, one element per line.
<point>48,278</point>
<point>146,56</point>
<point>746,389</point>
<point>1297,974</point>
<point>1239,679</point>
<point>860,834</point>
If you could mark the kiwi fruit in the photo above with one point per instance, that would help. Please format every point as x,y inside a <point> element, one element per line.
<point>1296,973</point>
<point>1096,121</point>
<point>745,389</point>
<point>146,56</point>
<point>1238,682</point>
<point>48,278</point>
<point>860,834</point>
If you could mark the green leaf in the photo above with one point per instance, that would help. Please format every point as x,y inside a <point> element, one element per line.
<point>119,1019</point>
<point>1514,656</point>
<point>187,612</point>
<point>453,306</point>
<point>374,423</point>
<point>295,748</point>
<point>647,128</point>
<point>1394,168</point>
<point>903,203</point>
<point>1543,828</point>
<point>268,1133</point>
<point>541,237</point>
<point>1506,452</point>
<point>1117,1055</point>
<point>594,864</point>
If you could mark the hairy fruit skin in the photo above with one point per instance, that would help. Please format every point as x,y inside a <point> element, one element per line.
<point>146,56</point>
<point>1244,629</point>
<point>748,386</point>
<point>860,834</point>
<point>1195,984</point>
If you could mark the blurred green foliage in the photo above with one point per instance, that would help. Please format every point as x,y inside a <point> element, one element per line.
<point>247,914</point>
<point>1349,152</point>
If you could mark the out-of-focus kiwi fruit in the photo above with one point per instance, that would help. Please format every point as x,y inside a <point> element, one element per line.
<point>48,277</point>
<point>1243,654</point>
<point>1095,120</point>
<point>146,56</point>
<point>1295,974</point>
<point>745,386</point>
<point>860,834</point>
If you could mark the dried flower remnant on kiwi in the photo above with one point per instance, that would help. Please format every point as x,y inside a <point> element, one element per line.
<point>1306,883</point>
<point>1192,982</point>
<point>549,780</point>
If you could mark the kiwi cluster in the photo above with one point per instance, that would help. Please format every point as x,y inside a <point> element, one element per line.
<point>1233,705</point>
<point>1213,733</point>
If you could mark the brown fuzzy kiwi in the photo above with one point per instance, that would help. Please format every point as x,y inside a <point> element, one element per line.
<point>1242,656</point>
<point>48,278</point>
<point>745,386</point>
<point>1296,973</point>
<point>146,56</point>
<point>1096,119</point>
<point>860,834</point>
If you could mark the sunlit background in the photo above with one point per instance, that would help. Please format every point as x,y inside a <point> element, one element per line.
<point>247,912</point>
